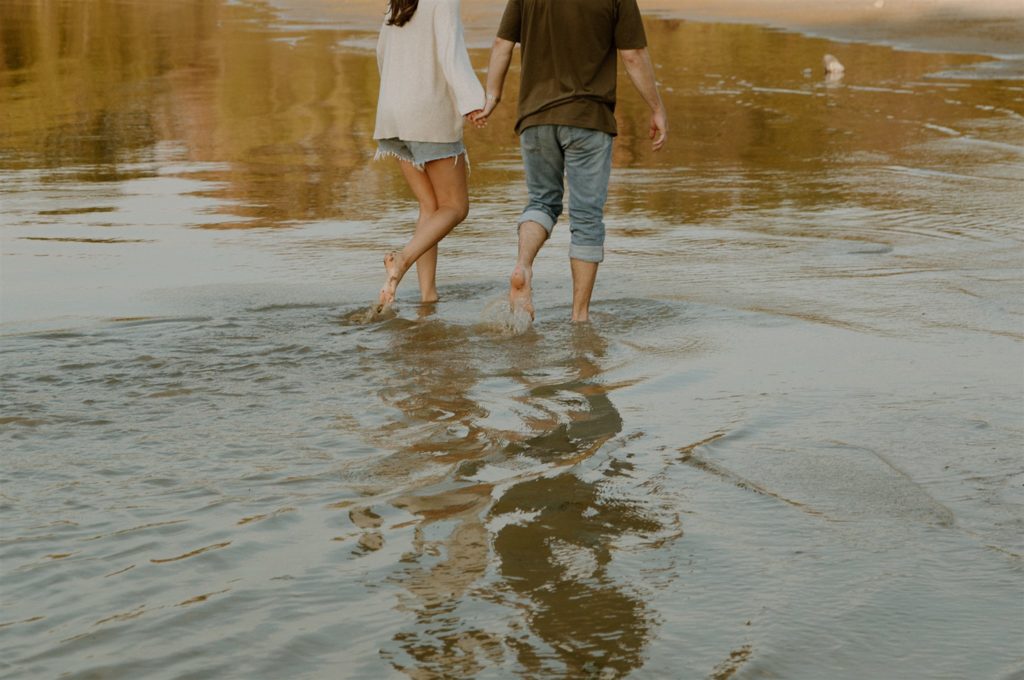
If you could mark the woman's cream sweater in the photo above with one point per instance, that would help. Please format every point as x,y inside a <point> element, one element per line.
<point>426,81</point>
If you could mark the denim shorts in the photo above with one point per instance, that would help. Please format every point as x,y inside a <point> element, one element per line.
<point>553,154</point>
<point>419,153</point>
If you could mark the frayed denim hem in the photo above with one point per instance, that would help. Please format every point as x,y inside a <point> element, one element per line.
<point>382,154</point>
<point>421,166</point>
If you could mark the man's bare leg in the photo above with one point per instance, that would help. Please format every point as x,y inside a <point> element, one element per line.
<point>584,274</point>
<point>520,293</point>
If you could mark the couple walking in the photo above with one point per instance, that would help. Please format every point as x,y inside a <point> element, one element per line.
<point>565,122</point>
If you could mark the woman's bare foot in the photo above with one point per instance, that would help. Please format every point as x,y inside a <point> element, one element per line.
<point>520,294</point>
<point>394,271</point>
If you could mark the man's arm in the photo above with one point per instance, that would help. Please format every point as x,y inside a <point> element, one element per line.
<point>501,57</point>
<point>641,72</point>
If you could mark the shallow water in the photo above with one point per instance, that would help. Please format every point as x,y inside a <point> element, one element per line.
<point>787,446</point>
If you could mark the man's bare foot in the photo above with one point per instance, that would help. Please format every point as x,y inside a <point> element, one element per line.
<point>387,293</point>
<point>520,294</point>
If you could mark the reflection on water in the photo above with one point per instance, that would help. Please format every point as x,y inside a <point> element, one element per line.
<point>227,116</point>
<point>287,111</point>
<point>556,557</point>
<point>290,109</point>
<point>786,447</point>
<point>552,534</point>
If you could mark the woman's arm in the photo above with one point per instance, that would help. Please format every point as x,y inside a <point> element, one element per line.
<point>458,71</point>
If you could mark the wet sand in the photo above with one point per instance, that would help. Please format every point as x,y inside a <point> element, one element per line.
<point>978,27</point>
<point>986,27</point>
<point>787,446</point>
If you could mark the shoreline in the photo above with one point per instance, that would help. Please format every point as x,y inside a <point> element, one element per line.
<point>986,27</point>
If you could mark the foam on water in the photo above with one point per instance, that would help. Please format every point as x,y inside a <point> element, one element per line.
<point>498,317</point>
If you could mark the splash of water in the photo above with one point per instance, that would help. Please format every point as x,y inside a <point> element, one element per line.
<point>497,317</point>
<point>366,315</point>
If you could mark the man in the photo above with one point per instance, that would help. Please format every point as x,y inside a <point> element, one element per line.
<point>566,122</point>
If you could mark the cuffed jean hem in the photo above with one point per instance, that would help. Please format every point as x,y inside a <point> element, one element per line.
<point>586,253</point>
<point>538,216</point>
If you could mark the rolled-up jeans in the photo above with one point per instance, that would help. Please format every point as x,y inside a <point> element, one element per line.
<point>553,153</point>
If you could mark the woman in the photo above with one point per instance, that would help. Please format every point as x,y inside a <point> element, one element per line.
<point>427,88</point>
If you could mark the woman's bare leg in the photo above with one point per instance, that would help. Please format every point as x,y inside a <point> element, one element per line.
<point>426,266</point>
<point>447,178</point>
<point>426,272</point>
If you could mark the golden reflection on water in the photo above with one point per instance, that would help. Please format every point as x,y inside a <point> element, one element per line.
<point>97,84</point>
<point>94,86</point>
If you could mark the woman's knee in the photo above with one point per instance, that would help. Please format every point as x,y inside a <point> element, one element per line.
<point>457,202</point>
<point>427,209</point>
<point>460,208</point>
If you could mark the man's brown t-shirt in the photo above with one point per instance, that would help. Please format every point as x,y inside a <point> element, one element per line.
<point>569,57</point>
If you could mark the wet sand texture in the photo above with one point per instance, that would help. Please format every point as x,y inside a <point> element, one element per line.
<point>787,446</point>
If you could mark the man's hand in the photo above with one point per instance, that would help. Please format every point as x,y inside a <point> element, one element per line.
<point>659,130</point>
<point>641,72</point>
<point>480,116</point>
<point>492,103</point>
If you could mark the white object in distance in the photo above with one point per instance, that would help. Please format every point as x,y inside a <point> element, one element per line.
<point>832,65</point>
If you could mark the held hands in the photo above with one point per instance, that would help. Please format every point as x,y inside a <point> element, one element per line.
<point>490,104</point>
<point>480,116</point>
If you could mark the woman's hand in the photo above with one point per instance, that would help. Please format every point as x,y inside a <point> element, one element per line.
<point>477,118</point>
<point>480,116</point>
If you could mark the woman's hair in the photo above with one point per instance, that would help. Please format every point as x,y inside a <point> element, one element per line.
<point>400,11</point>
